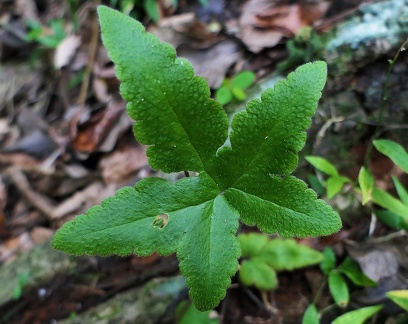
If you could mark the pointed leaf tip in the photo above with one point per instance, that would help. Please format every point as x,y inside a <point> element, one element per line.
<point>174,113</point>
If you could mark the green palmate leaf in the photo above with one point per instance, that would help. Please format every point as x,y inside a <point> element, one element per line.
<point>311,315</point>
<point>208,257</point>
<point>400,297</point>
<point>186,130</point>
<point>173,109</point>
<point>394,151</point>
<point>366,181</point>
<point>358,316</point>
<point>338,289</point>
<point>200,228</point>
<point>323,165</point>
<point>139,208</point>
<point>266,137</point>
<point>281,204</point>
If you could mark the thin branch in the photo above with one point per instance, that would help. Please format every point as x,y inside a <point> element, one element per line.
<point>91,59</point>
<point>384,98</point>
<point>34,198</point>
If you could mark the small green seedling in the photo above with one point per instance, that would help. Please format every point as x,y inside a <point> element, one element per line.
<point>186,313</point>
<point>243,174</point>
<point>135,8</point>
<point>49,37</point>
<point>23,280</point>
<point>306,46</point>
<point>339,289</point>
<point>311,315</point>
<point>358,316</point>
<point>395,212</point>
<point>150,7</point>
<point>335,182</point>
<point>400,297</point>
<point>337,284</point>
<point>263,257</point>
<point>235,88</point>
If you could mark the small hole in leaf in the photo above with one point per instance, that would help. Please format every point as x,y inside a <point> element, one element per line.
<point>161,220</point>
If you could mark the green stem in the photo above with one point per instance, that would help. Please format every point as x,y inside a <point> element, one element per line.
<point>384,98</point>
<point>319,292</point>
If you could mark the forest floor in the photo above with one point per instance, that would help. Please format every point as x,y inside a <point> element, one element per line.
<point>66,143</point>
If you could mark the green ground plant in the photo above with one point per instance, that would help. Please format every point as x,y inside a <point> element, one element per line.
<point>235,88</point>
<point>186,313</point>
<point>339,289</point>
<point>23,279</point>
<point>150,7</point>
<point>49,39</point>
<point>133,7</point>
<point>262,257</point>
<point>306,46</point>
<point>243,174</point>
<point>393,212</point>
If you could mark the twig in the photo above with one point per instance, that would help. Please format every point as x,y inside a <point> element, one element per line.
<point>258,302</point>
<point>384,98</point>
<point>91,59</point>
<point>36,199</point>
<point>322,131</point>
<point>328,308</point>
<point>389,237</point>
<point>15,32</point>
<point>319,292</point>
<point>373,223</point>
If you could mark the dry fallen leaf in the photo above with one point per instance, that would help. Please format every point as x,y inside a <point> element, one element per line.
<point>119,165</point>
<point>41,234</point>
<point>66,50</point>
<point>225,53</point>
<point>93,132</point>
<point>263,23</point>
<point>9,250</point>
<point>378,261</point>
<point>186,29</point>
<point>84,199</point>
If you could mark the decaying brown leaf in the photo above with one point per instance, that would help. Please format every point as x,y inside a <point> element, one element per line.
<point>87,136</point>
<point>66,50</point>
<point>201,45</point>
<point>119,165</point>
<point>263,23</point>
<point>226,53</point>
